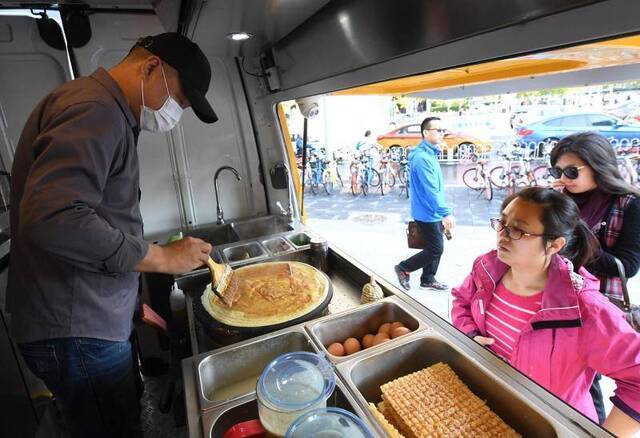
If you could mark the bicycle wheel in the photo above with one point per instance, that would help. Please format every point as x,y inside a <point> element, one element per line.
<point>499,177</point>
<point>376,180</point>
<point>339,178</point>
<point>472,179</point>
<point>388,181</point>
<point>364,185</point>
<point>327,182</point>
<point>624,172</point>
<point>542,176</point>
<point>404,180</point>
<point>488,189</point>
<point>355,184</point>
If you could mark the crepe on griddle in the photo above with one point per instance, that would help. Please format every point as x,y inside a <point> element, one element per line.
<point>268,294</point>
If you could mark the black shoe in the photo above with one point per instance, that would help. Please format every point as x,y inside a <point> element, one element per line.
<point>434,285</point>
<point>403,277</point>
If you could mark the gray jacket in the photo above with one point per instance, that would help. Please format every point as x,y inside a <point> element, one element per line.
<point>76,227</point>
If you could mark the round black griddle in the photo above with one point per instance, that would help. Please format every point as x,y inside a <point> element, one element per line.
<point>227,334</point>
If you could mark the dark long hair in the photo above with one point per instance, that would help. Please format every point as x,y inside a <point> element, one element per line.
<point>561,218</point>
<point>597,152</point>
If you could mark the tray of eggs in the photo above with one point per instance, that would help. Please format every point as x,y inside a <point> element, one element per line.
<point>351,332</point>
<point>386,332</point>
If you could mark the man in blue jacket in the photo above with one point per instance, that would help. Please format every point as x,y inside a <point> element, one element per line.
<point>428,207</point>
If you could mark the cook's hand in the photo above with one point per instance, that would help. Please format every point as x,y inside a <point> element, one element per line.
<point>557,185</point>
<point>449,222</point>
<point>177,257</point>
<point>484,341</point>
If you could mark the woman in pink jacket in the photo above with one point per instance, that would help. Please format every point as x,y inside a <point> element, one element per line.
<point>525,302</point>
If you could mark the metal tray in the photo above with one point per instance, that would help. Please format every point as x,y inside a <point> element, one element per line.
<point>216,422</point>
<point>416,351</point>
<point>358,322</point>
<point>285,245</point>
<point>299,240</point>
<point>235,364</point>
<point>244,253</point>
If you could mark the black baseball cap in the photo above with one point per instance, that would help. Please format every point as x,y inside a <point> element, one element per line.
<point>192,66</point>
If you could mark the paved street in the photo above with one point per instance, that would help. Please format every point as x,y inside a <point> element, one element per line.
<point>372,229</point>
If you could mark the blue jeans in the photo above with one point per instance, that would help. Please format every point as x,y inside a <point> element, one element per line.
<point>93,382</point>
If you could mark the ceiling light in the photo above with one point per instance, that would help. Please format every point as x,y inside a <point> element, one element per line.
<point>239,36</point>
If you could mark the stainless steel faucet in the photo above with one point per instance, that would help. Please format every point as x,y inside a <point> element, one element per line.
<point>219,212</point>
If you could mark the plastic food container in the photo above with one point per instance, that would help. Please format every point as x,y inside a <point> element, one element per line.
<point>328,423</point>
<point>290,386</point>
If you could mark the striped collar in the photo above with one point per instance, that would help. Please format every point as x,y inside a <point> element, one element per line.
<point>560,304</point>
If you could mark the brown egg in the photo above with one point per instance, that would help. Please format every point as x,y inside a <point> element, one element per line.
<point>367,340</point>
<point>351,345</point>
<point>384,328</point>
<point>380,338</point>
<point>395,325</point>
<point>399,331</point>
<point>336,349</point>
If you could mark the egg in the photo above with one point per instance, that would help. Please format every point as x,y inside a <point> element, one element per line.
<point>380,338</point>
<point>399,331</point>
<point>336,349</point>
<point>384,328</point>
<point>395,325</point>
<point>367,340</point>
<point>351,345</point>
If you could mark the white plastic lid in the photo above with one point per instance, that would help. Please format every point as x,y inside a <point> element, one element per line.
<point>328,423</point>
<point>295,381</point>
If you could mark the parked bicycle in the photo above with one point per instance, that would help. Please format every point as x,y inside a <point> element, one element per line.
<point>363,175</point>
<point>389,170</point>
<point>629,165</point>
<point>477,178</point>
<point>517,173</point>
<point>403,176</point>
<point>320,172</point>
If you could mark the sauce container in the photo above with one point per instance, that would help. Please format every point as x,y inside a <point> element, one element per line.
<point>290,386</point>
<point>328,423</point>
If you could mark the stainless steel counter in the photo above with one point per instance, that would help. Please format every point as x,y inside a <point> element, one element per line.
<point>523,404</point>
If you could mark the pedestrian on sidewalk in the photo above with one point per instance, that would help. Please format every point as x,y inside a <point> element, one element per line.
<point>586,170</point>
<point>428,207</point>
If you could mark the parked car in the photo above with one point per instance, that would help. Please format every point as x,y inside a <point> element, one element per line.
<point>455,142</point>
<point>532,113</point>
<point>538,135</point>
<point>626,111</point>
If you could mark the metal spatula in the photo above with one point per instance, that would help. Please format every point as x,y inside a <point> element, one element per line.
<point>221,279</point>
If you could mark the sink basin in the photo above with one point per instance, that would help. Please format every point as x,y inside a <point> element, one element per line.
<point>215,234</point>
<point>260,227</point>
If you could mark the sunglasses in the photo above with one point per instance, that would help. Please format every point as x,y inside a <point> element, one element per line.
<point>571,172</point>
<point>513,232</point>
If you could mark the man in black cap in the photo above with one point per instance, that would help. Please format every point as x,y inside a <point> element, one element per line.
<point>77,239</point>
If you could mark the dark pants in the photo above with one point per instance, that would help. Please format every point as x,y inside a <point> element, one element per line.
<point>93,382</point>
<point>598,400</point>
<point>429,258</point>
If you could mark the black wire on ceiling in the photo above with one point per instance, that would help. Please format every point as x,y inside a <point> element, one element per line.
<point>255,75</point>
<point>195,24</point>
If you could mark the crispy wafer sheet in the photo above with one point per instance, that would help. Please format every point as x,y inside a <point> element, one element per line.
<point>388,427</point>
<point>434,402</point>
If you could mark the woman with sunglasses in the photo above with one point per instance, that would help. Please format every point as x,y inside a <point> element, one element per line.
<point>586,169</point>
<point>533,304</point>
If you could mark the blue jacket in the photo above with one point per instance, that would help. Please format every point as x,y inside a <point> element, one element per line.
<point>426,184</point>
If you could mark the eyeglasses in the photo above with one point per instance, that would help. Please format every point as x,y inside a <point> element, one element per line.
<point>571,172</point>
<point>513,232</point>
<point>440,130</point>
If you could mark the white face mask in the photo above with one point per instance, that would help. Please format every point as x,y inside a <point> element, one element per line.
<point>163,119</point>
